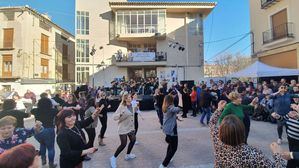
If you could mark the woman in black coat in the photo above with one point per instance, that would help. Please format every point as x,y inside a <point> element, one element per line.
<point>70,138</point>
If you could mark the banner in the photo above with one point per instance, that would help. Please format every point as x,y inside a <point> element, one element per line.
<point>143,56</point>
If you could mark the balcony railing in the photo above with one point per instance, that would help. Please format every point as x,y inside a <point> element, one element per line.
<point>267,3</point>
<point>142,57</point>
<point>127,30</point>
<point>285,30</point>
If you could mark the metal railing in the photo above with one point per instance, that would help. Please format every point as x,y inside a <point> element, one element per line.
<point>266,3</point>
<point>285,30</point>
<point>136,29</point>
<point>159,56</point>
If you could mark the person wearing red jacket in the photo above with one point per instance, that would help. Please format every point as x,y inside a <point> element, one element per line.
<point>193,96</point>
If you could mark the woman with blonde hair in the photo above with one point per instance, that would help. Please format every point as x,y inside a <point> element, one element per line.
<point>237,109</point>
<point>125,117</point>
<point>170,128</point>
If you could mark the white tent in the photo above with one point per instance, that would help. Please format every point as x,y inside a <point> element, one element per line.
<point>259,69</point>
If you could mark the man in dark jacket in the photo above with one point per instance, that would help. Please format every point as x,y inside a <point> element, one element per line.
<point>282,106</point>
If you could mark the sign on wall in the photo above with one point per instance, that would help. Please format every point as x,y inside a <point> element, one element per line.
<point>143,56</point>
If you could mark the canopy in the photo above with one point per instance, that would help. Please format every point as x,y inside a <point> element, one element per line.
<point>259,69</point>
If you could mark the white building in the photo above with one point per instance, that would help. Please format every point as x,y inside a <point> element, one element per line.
<point>139,40</point>
<point>35,53</point>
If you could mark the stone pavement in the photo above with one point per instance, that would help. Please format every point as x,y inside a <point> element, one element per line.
<point>194,150</point>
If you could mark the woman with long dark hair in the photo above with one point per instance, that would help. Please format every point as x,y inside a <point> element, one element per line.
<point>158,96</point>
<point>170,128</point>
<point>72,104</point>
<point>103,101</point>
<point>46,114</point>
<point>125,117</point>
<point>70,138</point>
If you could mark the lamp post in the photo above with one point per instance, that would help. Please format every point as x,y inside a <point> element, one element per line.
<point>92,53</point>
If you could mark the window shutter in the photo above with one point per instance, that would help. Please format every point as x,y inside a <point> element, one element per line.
<point>8,38</point>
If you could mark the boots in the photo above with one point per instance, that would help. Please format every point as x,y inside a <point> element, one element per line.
<point>52,165</point>
<point>44,160</point>
<point>101,143</point>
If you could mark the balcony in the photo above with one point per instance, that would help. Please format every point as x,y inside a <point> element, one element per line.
<point>141,59</point>
<point>144,24</point>
<point>283,31</point>
<point>267,3</point>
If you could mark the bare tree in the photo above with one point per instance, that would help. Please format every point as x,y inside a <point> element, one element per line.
<point>226,64</point>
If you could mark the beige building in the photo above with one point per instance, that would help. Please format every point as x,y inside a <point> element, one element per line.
<point>139,40</point>
<point>275,27</point>
<point>35,52</point>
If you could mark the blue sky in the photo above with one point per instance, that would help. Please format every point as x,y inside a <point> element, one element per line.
<point>229,19</point>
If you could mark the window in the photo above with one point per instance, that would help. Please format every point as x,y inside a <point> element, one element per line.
<point>82,74</point>
<point>64,51</point>
<point>82,23</point>
<point>45,68</point>
<point>82,50</point>
<point>147,21</point>
<point>65,72</point>
<point>7,66</point>
<point>44,44</point>
<point>8,38</point>
<point>9,16</point>
<point>279,24</point>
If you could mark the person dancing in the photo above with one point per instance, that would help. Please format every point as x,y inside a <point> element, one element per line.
<point>170,128</point>
<point>71,140</point>
<point>125,117</point>
<point>103,117</point>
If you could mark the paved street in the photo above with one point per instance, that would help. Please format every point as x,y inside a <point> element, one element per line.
<point>194,150</point>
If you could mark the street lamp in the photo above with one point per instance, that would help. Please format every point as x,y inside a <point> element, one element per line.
<point>92,53</point>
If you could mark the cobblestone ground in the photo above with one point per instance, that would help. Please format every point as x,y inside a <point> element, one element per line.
<point>194,150</point>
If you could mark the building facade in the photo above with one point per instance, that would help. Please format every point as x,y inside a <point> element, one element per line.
<point>274,24</point>
<point>135,40</point>
<point>34,51</point>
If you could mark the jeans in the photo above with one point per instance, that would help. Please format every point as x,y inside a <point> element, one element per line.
<point>280,124</point>
<point>160,115</point>
<point>46,138</point>
<point>206,111</point>
<point>194,108</point>
<point>171,149</point>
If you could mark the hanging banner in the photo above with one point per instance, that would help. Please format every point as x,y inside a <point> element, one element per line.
<point>143,56</point>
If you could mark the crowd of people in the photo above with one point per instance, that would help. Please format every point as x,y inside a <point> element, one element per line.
<point>227,108</point>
